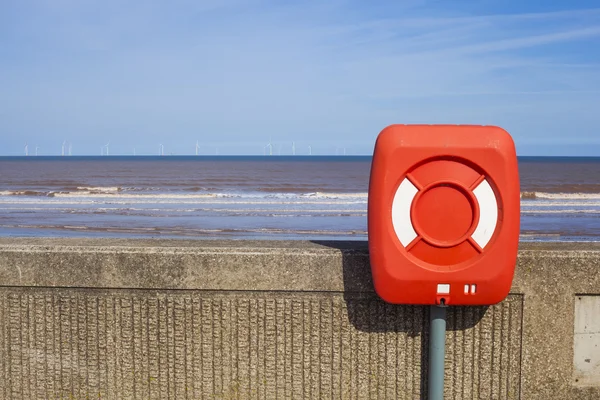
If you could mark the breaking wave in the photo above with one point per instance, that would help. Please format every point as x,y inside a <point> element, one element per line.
<point>197,192</point>
<point>559,196</point>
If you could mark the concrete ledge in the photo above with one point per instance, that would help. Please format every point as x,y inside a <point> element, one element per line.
<point>101,318</point>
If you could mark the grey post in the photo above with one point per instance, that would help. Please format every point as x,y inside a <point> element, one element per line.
<point>437,347</point>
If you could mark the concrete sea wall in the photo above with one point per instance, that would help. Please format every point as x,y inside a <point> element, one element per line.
<point>156,319</point>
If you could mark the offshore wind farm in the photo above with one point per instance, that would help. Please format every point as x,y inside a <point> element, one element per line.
<point>271,148</point>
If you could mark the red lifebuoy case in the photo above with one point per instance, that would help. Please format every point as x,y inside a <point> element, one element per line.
<point>443,214</point>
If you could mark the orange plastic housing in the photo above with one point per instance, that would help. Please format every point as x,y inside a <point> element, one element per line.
<point>443,214</point>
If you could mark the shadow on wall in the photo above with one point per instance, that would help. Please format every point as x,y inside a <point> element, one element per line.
<point>368,313</point>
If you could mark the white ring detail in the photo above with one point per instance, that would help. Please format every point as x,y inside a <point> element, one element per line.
<point>401,212</point>
<point>488,213</point>
<point>405,231</point>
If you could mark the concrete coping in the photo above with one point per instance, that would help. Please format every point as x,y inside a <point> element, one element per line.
<point>228,264</point>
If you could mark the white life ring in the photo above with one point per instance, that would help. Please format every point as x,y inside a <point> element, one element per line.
<point>404,227</point>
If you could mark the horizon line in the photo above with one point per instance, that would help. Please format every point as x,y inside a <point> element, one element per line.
<point>247,155</point>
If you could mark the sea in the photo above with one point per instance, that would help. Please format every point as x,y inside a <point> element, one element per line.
<point>253,197</point>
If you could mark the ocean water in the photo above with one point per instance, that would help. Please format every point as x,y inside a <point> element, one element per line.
<point>279,197</point>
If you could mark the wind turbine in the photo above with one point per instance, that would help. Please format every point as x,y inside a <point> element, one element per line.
<point>293,148</point>
<point>161,150</point>
<point>107,144</point>
<point>310,150</point>
<point>36,150</point>
<point>270,146</point>
<point>197,147</point>
<point>26,149</point>
<point>134,151</point>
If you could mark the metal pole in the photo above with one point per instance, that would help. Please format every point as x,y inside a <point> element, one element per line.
<point>437,347</point>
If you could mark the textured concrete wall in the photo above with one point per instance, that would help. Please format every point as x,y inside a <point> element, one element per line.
<point>117,319</point>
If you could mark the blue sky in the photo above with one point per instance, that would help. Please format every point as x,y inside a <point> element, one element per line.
<point>233,73</point>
